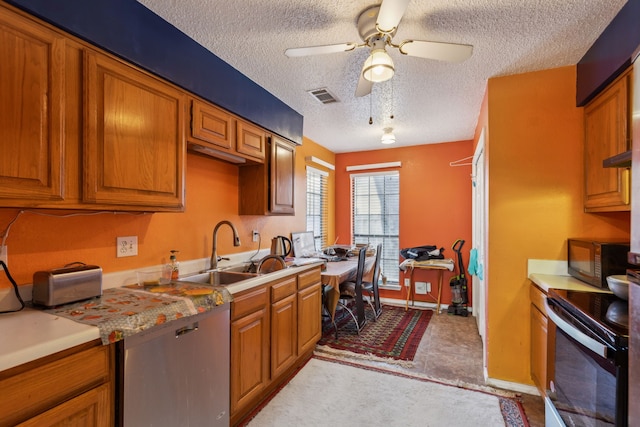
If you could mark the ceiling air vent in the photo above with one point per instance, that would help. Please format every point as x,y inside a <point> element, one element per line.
<point>323,96</point>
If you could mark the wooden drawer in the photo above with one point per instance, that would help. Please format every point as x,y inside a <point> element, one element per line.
<point>245,303</point>
<point>33,391</point>
<point>308,278</point>
<point>538,297</point>
<point>283,289</point>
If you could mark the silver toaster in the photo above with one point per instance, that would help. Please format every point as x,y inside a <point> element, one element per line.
<point>66,285</point>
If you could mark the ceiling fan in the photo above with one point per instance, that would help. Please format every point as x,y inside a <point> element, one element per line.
<point>377,25</point>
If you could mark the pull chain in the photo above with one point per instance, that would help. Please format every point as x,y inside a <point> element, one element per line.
<point>392,104</point>
<point>370,115</point>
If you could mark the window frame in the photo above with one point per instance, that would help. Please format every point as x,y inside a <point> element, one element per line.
<point>390,240</point>
<point>321,215</point>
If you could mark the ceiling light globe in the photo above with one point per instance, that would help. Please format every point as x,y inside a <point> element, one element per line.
<point>378,67</point>
<point>388,137</point>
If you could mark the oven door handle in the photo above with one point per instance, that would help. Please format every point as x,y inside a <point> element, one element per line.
<point>593,345</point>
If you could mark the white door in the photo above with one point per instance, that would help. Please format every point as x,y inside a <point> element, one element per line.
<point>479,215</point>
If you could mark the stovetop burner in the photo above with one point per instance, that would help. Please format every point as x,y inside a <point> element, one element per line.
<point>604,313</point>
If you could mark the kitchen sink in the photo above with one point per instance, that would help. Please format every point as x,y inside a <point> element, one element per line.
<point>219,277</point>
<point>240,268</point>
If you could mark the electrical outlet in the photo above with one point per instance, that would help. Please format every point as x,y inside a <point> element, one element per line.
<point>407,282</point>
<point>127,246</point>
<point>428,287</point>
<point>421,287</point>
<point>3,256</point>
<point>255,235</point>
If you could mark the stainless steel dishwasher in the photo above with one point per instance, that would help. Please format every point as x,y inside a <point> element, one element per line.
<point>176,374</point>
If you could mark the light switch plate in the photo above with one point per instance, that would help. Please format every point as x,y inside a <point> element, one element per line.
<point>127,246</point>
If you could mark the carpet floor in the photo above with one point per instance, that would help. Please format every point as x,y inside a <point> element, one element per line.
<point>332,393</point>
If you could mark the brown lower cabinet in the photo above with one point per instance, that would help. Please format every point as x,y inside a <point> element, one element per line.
<point>274,329</point>
<point>73,387</point>
<point>542,341</point>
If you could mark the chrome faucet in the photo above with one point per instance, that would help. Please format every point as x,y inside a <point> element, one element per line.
<point>214,252</point>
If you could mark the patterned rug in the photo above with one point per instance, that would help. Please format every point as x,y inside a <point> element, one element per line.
<point>396,334</point>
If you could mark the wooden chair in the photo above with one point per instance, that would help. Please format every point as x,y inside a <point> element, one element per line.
<point>370,289</point>
<point>351,295</point>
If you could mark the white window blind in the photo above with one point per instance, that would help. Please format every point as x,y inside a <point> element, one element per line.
<point>375,214</point>
<point>317,205</point>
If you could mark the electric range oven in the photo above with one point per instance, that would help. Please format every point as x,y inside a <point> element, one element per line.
<point>590,379</point>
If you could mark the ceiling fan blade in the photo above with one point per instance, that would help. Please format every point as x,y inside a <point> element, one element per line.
<point>450,52</point>
<point>319,50</point>
<point>364,86</point>
<point>390,14</point>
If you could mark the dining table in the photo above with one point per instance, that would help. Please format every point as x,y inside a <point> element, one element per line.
<point>337,272</point>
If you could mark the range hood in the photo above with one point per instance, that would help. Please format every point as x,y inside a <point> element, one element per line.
<point>622,160</point>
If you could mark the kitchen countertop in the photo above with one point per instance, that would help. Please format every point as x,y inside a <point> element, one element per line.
<point>568,283</point>
<point>30,334</point>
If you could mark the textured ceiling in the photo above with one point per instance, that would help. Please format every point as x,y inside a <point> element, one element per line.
<point>430,101</point>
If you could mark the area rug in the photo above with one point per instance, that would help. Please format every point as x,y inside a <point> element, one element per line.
<point>331,393</point>
<point>395,335</point>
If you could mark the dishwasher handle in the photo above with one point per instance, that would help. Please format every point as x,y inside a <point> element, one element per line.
<point>187,329</point>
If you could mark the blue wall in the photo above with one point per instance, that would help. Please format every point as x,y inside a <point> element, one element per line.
<point>610,54</point>
<point>131,31</point>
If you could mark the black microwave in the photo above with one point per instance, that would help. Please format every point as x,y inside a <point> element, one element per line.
<point>592,260</point>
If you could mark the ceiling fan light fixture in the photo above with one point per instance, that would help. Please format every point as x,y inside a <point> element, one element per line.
<point>388,137</point>
<point>378,67</point>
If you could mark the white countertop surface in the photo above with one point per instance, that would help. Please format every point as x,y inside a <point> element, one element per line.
<point>30,334</point>
<point>568,283</point>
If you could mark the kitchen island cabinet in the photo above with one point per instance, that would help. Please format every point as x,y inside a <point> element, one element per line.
<point>72,387</point>
<point>607,133</point>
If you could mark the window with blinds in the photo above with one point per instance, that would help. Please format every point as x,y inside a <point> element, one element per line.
<point>376,216</point>
<point>317,205</point>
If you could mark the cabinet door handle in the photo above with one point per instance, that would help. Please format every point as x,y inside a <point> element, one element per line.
<point>186,330</point>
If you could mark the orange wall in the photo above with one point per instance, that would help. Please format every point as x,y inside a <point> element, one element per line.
<point>535,169</point>
<point>38,242</point>
<point>435,201</point>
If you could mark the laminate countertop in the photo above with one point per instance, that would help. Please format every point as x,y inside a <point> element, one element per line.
<point>32,333</point>
<point>568,283</point>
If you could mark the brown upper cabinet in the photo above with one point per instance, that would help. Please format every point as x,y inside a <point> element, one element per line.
<point>80,129</point>
<point>217,133</point>
<point>607,133</point>
<point>268,189</point>
<point>251,141</point>
<point>32,108</point>
<point>134,137</point>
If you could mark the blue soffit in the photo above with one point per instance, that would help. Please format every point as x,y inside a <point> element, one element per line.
<point>610,54</point>
<point>129,30</point>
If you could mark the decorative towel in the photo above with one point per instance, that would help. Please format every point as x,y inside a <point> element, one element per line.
<point>473,261</point>
<point>474,267</point>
